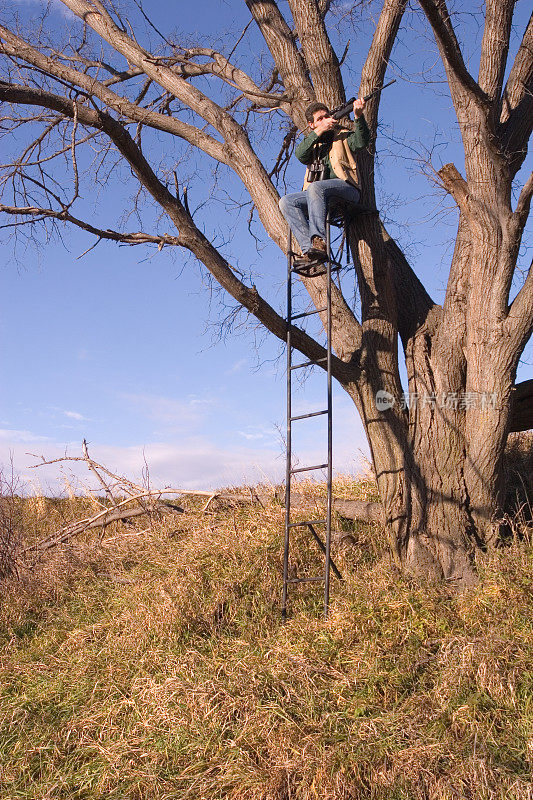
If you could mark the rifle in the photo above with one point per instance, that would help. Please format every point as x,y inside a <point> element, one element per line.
<point>347,108</point>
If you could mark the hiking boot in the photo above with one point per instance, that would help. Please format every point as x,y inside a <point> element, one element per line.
<point>319,244</point>
<point>318,249</point>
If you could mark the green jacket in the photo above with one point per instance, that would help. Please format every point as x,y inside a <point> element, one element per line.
<point>355,140</point>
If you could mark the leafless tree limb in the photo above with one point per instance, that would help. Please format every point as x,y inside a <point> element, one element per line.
<point>64,216</point>
<point>289,63</point>
<point>439,18</point>
<point>517,103</point>
<point>495,47</point>
<point>220,66</point>
<point>518,84</point>
<point>17,48</point>
<point>318,53</point>
<point>524,201</point>
<point>99,520</point>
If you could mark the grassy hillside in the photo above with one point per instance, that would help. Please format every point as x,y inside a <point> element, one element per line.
<point>151,663</point>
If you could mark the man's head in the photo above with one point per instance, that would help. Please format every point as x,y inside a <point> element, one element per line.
<point>316,112</point>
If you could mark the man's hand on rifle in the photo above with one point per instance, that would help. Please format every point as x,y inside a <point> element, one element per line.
<point>324,122</point>
<point>323,125</point>
<point>358,107</point>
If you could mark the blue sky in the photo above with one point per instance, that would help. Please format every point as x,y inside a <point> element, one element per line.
<point>120,346</point>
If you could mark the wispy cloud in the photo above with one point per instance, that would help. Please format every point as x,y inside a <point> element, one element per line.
<point>12,436</point>
<point>251,437</point>
<point>174,415</point>
<point>194,463</point>
<point>260,433</point>
<point>237,366</point>
<point>76,416</point>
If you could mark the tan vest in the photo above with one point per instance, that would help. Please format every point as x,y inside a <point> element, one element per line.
<point>342,160</point>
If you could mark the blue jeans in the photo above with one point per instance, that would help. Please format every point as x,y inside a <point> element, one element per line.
<point>306,211</point>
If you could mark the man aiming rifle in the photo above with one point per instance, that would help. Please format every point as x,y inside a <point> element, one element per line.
<point>331,175</point>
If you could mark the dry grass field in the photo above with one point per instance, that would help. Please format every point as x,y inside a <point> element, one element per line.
<point>149,662</point>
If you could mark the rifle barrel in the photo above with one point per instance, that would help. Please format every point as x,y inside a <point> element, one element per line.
<point>344,110</point>
<point>377,91</point>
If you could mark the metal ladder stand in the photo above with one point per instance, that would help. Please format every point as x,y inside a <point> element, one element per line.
<point>331,266</point>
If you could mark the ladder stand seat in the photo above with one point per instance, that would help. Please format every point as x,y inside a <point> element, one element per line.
<point>341,214</point>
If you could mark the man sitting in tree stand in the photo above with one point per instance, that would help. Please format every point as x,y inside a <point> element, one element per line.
<point>331,175</point>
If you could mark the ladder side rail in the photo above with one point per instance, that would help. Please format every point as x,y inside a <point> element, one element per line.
<point>330,428</point>
<point>288,463</point>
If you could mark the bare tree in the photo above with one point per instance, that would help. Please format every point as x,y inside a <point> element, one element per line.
<point>438,463</point>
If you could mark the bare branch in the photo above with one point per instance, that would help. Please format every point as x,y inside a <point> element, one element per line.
<point>239,40</point>
<point>519,82</point>
<point>517,104</point>
<point>318,53</point>
<point>439,19</point>
<point>73,154</point>
<point>64,216</point>
<point>375,66</point>
<point>94,15</point>
<point>495,46</point>
<point>149,21</point>
<point>16,47</point>
<point>519,322</point>
<point>524,202</point>
<point>237,147</point>
<point>289,63</point>
<point>99,520</point>
<point>285,151</point>
<point>455,184</point>
<point>221,67</point>
<point>93,467</point>
<point>42,159</point>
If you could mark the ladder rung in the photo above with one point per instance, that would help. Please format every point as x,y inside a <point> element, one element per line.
<point>305,580</point>
<point>308,469</point>
<point>312,414</point>
<point>308,313</point>
<point>309,363</point>
<point>308,522</point>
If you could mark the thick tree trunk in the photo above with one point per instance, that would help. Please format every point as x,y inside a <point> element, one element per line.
<point>422,486</point>
<point>441,538</point>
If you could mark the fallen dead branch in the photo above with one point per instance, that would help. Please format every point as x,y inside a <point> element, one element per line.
<point>360,510</point>
<point>104,518</point>
<point>151,501</point>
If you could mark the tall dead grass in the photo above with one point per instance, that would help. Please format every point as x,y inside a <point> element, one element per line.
<point>151,662</point>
